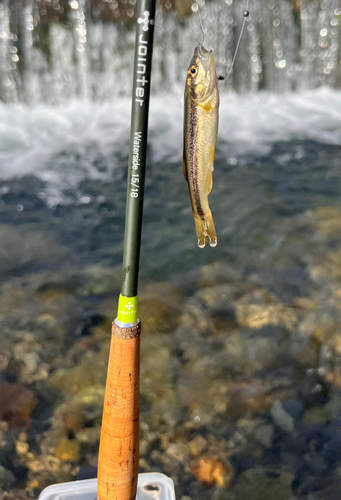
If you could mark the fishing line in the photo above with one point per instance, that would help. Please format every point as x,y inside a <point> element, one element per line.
<point>246,15</point>
<point>201,25</point>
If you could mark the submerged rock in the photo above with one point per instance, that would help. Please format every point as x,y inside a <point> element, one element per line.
<point>159,308</point>
<point>260,484</point>
<point>16,405</point>
<point>197,446</point>
<point>249,351</point>
<point>24,248</point>
<point>6,477</point>
<point>212,471</point>
<point>281,417</point>
<point>68,450</point>
<point>260,308</point>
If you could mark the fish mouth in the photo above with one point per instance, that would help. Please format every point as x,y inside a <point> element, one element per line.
<point>201,51</point>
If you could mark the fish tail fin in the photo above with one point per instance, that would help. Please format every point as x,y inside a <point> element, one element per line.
<point>210,230</point>
<point>206,228</point>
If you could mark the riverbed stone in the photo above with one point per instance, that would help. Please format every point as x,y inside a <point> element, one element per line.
<point>260,484</point>
<point>68,450</point>
<point>16,405</point>
<point>264,434</point>
<point>177,451</point>
<point>212,471</point>
<point>6,477</point>
<point>197,446</point>
<point>282,417</point>
<point>260,308</point>
<point>157,380</point>
<point>218,273</point>
<point>89,374</point>
<point>24,248</point>
<point>248,351</point>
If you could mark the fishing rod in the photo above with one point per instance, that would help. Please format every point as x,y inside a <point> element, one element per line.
<point>118,461</point>
<point>119,445</point>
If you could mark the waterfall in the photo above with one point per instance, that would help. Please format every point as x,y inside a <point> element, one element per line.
<point>83,52</point>
<point>8,57</point>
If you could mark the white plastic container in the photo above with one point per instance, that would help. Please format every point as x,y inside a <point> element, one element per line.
<point>150,486</point>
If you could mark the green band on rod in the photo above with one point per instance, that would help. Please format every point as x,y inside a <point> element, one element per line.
<point>127,309</point>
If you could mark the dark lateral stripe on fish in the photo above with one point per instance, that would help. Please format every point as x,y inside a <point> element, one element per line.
<point>193,154</point>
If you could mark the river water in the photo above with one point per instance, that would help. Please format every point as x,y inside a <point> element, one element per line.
<point>241,341</point>
<point>276,158</point>
<point>241,353</point>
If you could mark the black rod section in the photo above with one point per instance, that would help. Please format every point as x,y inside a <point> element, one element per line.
<point>138,145</point>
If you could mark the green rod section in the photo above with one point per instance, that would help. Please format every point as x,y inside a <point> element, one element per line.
<point>138,145</point>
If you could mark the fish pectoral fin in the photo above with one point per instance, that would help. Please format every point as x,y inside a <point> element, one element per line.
<point>185,169</point>
<point>209,183</point>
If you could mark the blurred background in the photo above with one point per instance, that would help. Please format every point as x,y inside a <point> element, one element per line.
<point>241,346</point>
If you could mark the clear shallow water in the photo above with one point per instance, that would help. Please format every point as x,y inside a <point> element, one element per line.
<point>244,337</point>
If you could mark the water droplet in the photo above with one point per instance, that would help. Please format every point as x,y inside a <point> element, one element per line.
<point>232,161</point>
<point>281,64</point>
<point>19,208</point>
<point>324,32</point>
<point>85,200</point>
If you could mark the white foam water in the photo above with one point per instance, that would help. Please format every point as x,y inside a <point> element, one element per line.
<point>42,140</point>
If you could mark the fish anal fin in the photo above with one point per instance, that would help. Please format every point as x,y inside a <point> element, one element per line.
<point>212,158</point>
<point>209,183</point>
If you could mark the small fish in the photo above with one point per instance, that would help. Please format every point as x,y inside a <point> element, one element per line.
<point>200,138</point>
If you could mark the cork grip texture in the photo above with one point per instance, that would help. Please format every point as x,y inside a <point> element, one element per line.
<point>119,446</point>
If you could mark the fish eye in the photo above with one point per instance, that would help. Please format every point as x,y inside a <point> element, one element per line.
<point>193,71</point>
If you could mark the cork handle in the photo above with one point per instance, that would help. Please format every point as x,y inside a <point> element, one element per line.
<point>119,446</point>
